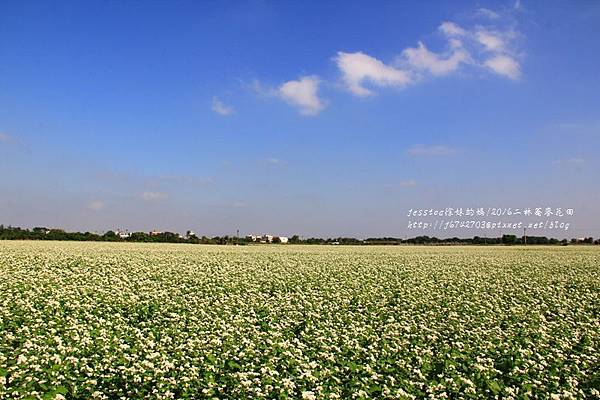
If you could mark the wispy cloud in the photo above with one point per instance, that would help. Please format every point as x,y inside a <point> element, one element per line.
<point>428,151</point>
<point>492,49</point>
<point>5,138</point>
<point>275,162</point>
<point>422,59</point>
<point>478,46</point>
<point>517,5</point>
<point>357,68</point>
<point>504,65</point>
<point>571,125</point>
<point>492,41</point>
<point>303,94</point>
<point>590,126</point>
<point>154,196</point>
<point>95,205</point>
<point>261,89</point>
<point>183,180</point>
<point>487,13</point>
<point>451,29</point>
<point>489,48</point>
<point>131,179</point>
<point>570,161</point>
<point>408,183</point>
<point>221,108</point>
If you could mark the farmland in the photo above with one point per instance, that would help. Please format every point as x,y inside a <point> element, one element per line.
<point>109,321</point>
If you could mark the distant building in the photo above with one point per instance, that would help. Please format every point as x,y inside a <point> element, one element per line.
<point>122,234</point>
<point>267,239</point>
<point>155,233</point>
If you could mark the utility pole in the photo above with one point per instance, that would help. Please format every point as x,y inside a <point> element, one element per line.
<point>525,236</point>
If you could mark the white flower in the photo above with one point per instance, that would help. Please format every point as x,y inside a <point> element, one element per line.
<point>308,395</point>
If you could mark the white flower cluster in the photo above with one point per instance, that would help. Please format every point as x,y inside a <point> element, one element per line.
<point>149,321</point>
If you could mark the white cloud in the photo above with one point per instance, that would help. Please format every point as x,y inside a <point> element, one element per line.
<point>186,180</point>
<point>504,65</point>
<point>262,90</point>
<point>477,46</point>
<point>408,183</point>
<point>95,205</point>
<point>451,29</point>
<point>274,161</point>
<point>154,196</point>
<point>492,41</point>
<point>486,12</point>
<point>488,48</point>
<point>239,204</point>
<point>356,68</point>
<point>303,94</point>
<point>435,150</point>
<point>570,161</point>
<point>589,126</point>
<point>402,184</point>
<point>4,138</point>
<point>221,108</point>
<point>571,125</point>
<point>423,59</point>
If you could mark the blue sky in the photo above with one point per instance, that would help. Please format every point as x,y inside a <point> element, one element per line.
<point>313,118</point>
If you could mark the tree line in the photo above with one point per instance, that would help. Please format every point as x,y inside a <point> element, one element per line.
<point>40,233</point>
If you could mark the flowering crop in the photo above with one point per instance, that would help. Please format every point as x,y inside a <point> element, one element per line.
<point>122,321</point>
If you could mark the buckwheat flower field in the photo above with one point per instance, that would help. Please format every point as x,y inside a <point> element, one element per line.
<point>138,321</point>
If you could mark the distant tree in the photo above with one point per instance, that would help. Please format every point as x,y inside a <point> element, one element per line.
<point>509,239</point>
<point>57,234</point>
<point>139,237</point>
<point>109,235</point>
<point>205,240</point>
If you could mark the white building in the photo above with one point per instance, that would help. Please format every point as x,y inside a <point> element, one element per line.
<point>122,234</point>
<point>266,238</point>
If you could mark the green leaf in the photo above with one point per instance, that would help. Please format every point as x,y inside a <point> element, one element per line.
<point>494,387</point>
<point>61,390</point>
